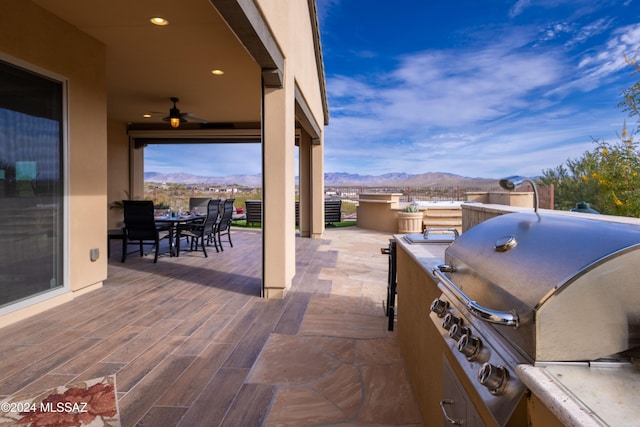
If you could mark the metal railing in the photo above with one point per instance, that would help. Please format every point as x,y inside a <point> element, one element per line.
<point>409,194</point>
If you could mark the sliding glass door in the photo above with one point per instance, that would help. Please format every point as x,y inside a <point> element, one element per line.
<point>31,184</point>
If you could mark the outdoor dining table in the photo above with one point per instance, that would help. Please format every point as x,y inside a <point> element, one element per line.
<point>173,222</point>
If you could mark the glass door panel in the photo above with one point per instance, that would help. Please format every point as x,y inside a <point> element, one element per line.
<point>31,184</point>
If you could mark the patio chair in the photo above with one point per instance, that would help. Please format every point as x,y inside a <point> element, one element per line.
<point>141,229</point>
<point>332,211</point>
<point>200,233</point>
<point>223,226</point>
<point>198,204</point>
<point>253,209</point>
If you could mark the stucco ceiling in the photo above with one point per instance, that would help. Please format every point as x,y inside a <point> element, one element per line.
<point>148,64</point>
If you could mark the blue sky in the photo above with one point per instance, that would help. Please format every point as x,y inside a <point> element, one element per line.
<point>477,88</point>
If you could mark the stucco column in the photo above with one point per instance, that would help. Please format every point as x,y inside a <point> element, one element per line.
<point>278,204</point>
<point>317,189</point>
<point>304,184</point>
<point>136,172</point>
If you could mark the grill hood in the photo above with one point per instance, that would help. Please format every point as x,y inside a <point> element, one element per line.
<point>573,283</point>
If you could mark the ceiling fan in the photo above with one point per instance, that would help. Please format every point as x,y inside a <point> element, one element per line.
<point>175,117</point>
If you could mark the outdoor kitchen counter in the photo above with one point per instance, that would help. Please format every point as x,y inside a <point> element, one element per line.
<point>581,395</point>
<point>571,395</point>
<point>426,254</point>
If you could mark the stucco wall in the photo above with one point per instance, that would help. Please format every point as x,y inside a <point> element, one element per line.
<point>291,26</point>
<point>36,38</point>
<point>378,211</point>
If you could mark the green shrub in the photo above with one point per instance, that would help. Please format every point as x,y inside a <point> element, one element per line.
<point>411,208</point>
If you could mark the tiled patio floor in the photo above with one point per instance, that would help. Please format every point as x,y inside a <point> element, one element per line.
<point>191,342</point>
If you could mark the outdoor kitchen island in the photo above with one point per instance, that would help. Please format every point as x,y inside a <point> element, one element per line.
<point>536,396</point>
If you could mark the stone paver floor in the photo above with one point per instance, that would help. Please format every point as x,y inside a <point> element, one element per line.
<point>342,367</point>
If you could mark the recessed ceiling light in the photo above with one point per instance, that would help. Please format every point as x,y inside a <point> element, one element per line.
<point>156,20</point>
<point>146,116</point>
<point>217,72</point>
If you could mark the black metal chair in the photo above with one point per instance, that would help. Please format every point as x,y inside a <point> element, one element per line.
<point>198,204</point>
<point>141,229</point>
<point>223,226</point>
<point>332,211</point>
<point>253,209</point>
<point>200,233</point>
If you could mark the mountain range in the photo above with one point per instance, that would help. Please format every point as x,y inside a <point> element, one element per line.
<point>428,179</point>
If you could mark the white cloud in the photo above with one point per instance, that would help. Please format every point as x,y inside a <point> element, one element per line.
<point>590,30</point>
<point>443,89</point>
<point>526,146</point>
<point>578,6</point>
<point>556,30</point>
<point>519,7</point>
<point>488,111</point>
<point>597,68</point>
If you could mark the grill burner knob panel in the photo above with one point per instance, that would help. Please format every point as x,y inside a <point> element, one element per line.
<point>456,332</point>
<point>439,307</point>
<point>469,346</point>
<point>482,348</point>
<point>449,320</point>
<point>493,377</point>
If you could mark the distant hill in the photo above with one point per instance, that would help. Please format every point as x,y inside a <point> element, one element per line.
<point>428,179</point>
<point>185,178</point>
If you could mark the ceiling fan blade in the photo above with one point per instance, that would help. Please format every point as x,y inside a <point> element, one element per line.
<point>175,112</point>
<point>193,118</point>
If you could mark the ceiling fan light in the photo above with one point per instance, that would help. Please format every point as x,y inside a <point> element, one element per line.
<point>175,118</point>
<point>174,114</point>
<point>158,20</point>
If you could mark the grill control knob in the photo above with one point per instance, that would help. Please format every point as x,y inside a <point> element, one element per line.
<point>469,346</point>
<point>457,331</point>
<point>449,320</point>
<point>439,307</point>
<point>493,377</point>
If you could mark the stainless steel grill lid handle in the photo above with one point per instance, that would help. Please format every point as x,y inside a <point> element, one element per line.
<point>486,314</point>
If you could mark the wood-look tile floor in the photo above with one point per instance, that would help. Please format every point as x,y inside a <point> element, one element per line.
<point>191,342</point>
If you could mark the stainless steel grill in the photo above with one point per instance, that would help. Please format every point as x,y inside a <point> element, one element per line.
<point>534,288</point>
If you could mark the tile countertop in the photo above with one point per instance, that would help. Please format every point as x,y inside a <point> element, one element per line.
<point>577,393</point>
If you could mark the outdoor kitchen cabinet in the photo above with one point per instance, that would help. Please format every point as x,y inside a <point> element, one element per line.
<point>423,349</point>
<point>420,343</point>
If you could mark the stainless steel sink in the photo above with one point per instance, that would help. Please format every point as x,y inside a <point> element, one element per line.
<point>433,235</point>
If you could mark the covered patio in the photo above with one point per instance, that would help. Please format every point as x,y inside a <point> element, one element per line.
<point>191,342</point>
<point>88,85</point>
